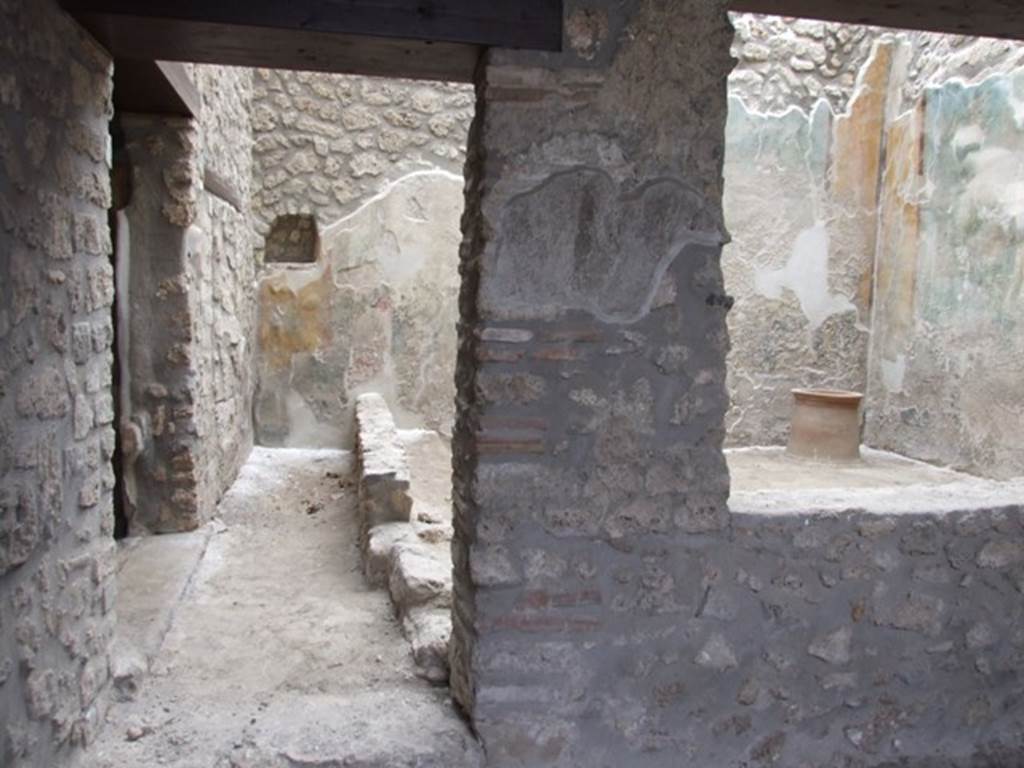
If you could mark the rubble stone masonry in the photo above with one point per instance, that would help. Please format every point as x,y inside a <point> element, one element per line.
<point>56,405</point>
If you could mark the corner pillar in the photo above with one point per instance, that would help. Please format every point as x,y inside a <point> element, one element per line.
<point>156,323</point>
<point>591,382</point>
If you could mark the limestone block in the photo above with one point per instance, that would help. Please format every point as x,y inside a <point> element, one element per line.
<point>716,654</point>
<point>419,578</point>
<point>380,543</point>
<point>833,648</point>
<point>428,631</point>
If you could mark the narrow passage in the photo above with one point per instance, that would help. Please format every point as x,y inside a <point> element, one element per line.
<point>274,652</point>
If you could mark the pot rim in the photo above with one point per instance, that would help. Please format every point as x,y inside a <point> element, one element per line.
<point>831,396</point>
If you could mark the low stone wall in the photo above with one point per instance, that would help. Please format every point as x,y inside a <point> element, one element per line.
<point>382,467</point>
<point>792,639</point>
<point>405,549</point>
<point>852,639</point>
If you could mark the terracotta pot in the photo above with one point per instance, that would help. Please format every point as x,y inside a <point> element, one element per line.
<point>825,424</point>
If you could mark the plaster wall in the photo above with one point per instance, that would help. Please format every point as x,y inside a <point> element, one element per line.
<point>56,404</point>
<point>378,165</point>
<point>873,208</point>
<point>946,382</point>
<point>803,147</point>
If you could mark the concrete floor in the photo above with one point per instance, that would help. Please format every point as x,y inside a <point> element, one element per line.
<point>768,480</point>
<point>274,652</point>
<point>772,469</point>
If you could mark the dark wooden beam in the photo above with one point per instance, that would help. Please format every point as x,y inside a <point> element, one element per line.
<point>981,18</point>
<point>139,38</point>
<point>428,39</point>
<point>155,87</point>
<point>531,24</point>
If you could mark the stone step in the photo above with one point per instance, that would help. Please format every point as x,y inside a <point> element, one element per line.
<point>428,631</point>
<point>420,576</point>
<point>381,540</point>
<point>160,569</point>
<point>384,728</point>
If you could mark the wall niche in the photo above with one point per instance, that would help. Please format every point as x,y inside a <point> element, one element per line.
<point>293,239</point>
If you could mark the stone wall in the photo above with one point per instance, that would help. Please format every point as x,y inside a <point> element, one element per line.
<point>190,305</point>
<point>56,408</point>
<point>591,384</point>
<point>325,144</point>
<point>223,285</point>
<point>784,63</point>
<point>843,639</point>
<point>156,326</point>
<point>946,365</point>
<point>378,165</point>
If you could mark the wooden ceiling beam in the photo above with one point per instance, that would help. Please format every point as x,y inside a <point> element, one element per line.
<point>156,88</point>
<point>531,24</point>
<point>433,39</point>
<point>141,38</point>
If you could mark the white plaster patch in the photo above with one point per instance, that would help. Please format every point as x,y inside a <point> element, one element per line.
<point>386,190</point>
<point>806,275</point>
<point>893,373</point>
<point>411,223</point>
<point>968,136</point>
<point>1017,105</point>
<point>997,186</point>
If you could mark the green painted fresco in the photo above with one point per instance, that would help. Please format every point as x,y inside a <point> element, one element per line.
<point>792,140</point>
<point>971,259</point>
